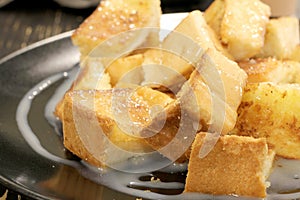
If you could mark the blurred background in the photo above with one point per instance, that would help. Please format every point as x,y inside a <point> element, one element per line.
<point>25,22</point>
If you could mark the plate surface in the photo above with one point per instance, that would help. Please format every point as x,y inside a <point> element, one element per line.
<point>23,167</point>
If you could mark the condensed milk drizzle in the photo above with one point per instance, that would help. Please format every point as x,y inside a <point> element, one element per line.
<point>285,181</point>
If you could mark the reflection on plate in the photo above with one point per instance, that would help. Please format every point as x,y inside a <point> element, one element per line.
<point>33,159</point>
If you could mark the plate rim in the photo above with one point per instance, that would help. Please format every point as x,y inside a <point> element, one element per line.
<point>34,45</point>
<point>7,183</point>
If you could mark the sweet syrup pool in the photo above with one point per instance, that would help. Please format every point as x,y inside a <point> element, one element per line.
<point>166,183</point>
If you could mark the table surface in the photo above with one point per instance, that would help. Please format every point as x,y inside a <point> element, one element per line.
<point>25,22</point>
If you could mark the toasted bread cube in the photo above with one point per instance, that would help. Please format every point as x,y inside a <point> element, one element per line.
<point>91,76</point>
<point>217,85</point>
<point>105,73</point>
<point>97,122</point>
<point>214,15</point>
<point>272,111</point>
<point>271,70</point>
<point>165,69</point>
<point>196,28</point>
<point>171,133</point>
<point>282,37</point>
<point>240,25</point>
<point>113,17</point>
<point>181,49</point>
<point>235,166</point>
<point>199,106</point>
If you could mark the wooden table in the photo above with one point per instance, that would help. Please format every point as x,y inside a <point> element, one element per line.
<point>23,22</point>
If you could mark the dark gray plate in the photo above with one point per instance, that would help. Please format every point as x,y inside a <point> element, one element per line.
<point>25,170</point>
<point>21,168</point>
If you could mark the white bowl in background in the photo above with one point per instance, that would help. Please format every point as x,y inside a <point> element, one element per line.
<point>78,4</point>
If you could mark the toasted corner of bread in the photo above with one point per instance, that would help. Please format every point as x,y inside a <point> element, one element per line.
<point>241,166</point>
<point>99,115</point>
<point>126,69</point>
<point>270,111</point>
<point>282,37</point>
<point>165,69</point>
<point>72,140</point>
<point>92,76</point>
<point>131,14</point>
<point>219,82</point>
<point>166,134</point>
<point>181,49</point>
<point>271,70</point>
<point>195,27</point>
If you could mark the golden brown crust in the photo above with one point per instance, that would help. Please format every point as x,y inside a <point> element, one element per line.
<point>72,140</point>
<point>97,109</point>
<point>92,76</point>
<point>179,52</point>
<point>166,136</point>
<point>240,25</point>
<point>217,85</point>
<point>236,165</point>
<point>271,70</point>
<point>271,111</point>
<point>126,69</point>
<point>196,101</point>
<point>169,65</point>
<point>112,17</point>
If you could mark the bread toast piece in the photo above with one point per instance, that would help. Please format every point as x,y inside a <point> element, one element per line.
<point>271,70</point>
<point>199,106</point>
<point>217,85</point>
<point>164,69</point>
<point>281,38</point>
<point>271,111</point>
<point>171,133</point>
<point>98,123</point>
<point>240,25</point>
<point>196,28</point>
<point>235,166</point>
<point>105,73</point>
<point>172,64</point>
<point>112,17</point>
<point>214,15</point>
<point>127,69</point>
<point>92,76</point>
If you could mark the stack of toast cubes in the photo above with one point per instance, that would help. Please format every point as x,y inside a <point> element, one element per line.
<point>220,91</point>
